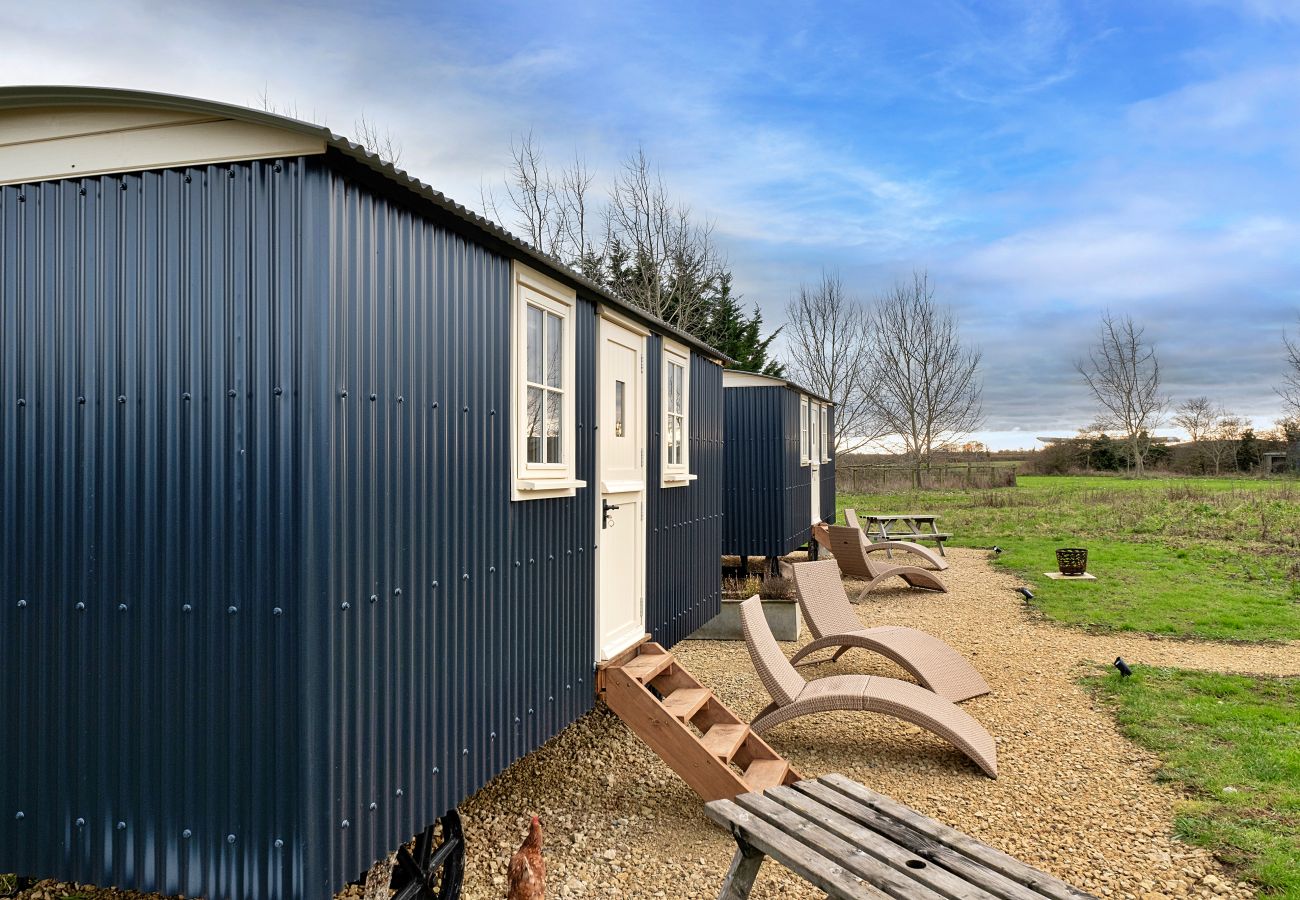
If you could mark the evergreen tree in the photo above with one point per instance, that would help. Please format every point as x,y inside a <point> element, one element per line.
<point>1248,451</point>
<point>737,335</point>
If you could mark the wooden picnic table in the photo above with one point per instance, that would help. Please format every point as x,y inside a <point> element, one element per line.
<point>905,527</point>
<point>851,842</point>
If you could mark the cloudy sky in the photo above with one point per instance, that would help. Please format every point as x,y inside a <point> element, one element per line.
<point>1044,162</point>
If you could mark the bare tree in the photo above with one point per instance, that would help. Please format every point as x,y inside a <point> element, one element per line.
<point>1123,374</point>
<point>828,352</point>
<point>381,143</point>
<point>924,384</point>
<point>1222,439</point>
<point>1290,390</point>
<point>1198,417</point>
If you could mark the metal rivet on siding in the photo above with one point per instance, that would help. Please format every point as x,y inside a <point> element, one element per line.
<point>22,604</point>
<point>516,564</point>
<point>278,391</point>
<point>277,611</point>
<point>465,752</point>
<point>186,608</point>
<point>187,834</point>
<point>343,394</point>
<point>517,720</point>
<point>397,592</point>
<point>186,396</point>
<point>230,393</point>
<point>492,568</point>
<point>121,398</point>
<point>399,792</point>
<point>278,844</point>
<point>81,401</point>
<point>345,824</point>
<point>568,687</point>
<point>121,826</point>
<point>550,557</point>
<point>23,199</point>
<point>435,585</point>
<point>277,167</point>
<point>230,839</point>
<point>492,736</point>
<point>435,404</point>
<point>22,402</point>
<point>531,560</point>
<point>374,397</point>
<point>550,699</point>
<point>494,412</point>
<point>345,605</point>
<point>464,409</point>
<point>401,399</point>
<point>374,806</point>
<point>232,609</point>
<point>374,598</point>
<point>81,823</point>
<point>232,173</point>
<point>435,770</point>
<point>81,607</point>
<point>465,577</point>
<point>20,815</point>
<point>121,607</point>
<point>82,192</point>
<point>188,179</point>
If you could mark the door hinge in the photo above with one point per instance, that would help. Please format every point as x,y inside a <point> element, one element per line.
<point>642,355</point>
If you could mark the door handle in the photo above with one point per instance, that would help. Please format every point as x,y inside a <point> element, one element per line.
<point>605,509</point>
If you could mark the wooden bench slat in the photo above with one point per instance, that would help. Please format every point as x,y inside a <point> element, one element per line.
<point>925,847</point>
<point>811,866</point>
<point>882,846</point>
<point>802,831</point>
<point>994,859</point>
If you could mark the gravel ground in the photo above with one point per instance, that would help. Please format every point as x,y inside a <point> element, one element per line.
<point>1073,796</point>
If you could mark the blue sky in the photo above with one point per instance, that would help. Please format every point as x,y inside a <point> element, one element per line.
<point>1043,161</point>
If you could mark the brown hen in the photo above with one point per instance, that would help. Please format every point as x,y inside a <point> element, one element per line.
<point>527,873</point>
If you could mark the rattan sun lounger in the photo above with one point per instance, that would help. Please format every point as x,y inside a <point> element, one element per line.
<point>793,697</point>
<point>937,562</point>
<point>851,554</point>
<point>834,624</point>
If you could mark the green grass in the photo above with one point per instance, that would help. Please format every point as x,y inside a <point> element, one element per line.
<point>1185,557</point>
<point>1233,742</point>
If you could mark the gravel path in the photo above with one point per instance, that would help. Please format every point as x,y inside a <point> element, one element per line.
<point>1073,796</point>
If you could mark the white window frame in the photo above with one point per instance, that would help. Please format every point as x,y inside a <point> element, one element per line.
<point>803,431</point>
<point>531,480</point>
<point>675,474</point>
<point>825,443</point>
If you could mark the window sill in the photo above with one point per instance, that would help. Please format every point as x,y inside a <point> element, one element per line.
<point>550,484</point>
<point>678,479</point>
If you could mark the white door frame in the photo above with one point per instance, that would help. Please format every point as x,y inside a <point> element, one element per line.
<point>610,322</point>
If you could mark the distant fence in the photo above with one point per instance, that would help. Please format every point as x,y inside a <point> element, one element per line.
<point>866,479</point>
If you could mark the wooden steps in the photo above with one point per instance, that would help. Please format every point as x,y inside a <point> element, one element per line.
<point>688,727</point>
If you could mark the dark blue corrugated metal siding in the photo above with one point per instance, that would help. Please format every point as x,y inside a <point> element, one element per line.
<point>766,489</point>
<point>684,524</point>
<point>171,303</point>
<point>469,633</point>
<point>828,473</point>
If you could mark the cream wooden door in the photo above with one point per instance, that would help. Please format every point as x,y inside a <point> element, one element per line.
<point>621,445</point>
<point>815,460</point>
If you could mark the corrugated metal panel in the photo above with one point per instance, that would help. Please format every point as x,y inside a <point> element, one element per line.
<point>469,630</point>
<point>684,524</point>
<point>150,453</point>
<point>767,492</point>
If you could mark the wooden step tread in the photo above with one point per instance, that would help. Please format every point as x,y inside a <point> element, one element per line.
<point>723,740</point>
<point>686,702</point>
<point>646,666</point>
<point>765,773</point>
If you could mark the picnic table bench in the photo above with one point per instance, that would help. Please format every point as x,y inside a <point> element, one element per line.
<point>905,527</point>
<point>851,842</point>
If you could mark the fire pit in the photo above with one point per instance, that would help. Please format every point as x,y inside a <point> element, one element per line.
<point>1072,560</point>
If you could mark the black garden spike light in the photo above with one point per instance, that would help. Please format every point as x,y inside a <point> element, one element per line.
<point>1026,593</point>
<point>1124,670</point>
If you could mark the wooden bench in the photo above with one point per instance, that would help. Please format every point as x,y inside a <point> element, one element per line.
<point>851,842</point>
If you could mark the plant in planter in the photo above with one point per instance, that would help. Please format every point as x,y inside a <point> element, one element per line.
<point>1072,560</point>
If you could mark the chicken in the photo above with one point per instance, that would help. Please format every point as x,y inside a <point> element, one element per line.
<point>527,873</point>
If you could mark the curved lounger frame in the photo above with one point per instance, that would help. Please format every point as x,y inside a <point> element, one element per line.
<point>932,559</point>
<point>792,697</point>
<point>834,624</point>
<point>851,554</point>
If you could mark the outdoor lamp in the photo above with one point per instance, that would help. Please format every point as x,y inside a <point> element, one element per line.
<point>1124,670</point>
<point>1025,592</point>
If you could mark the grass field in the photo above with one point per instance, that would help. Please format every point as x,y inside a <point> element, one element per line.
<point>1233,743</point>
<point>1195,558</point>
